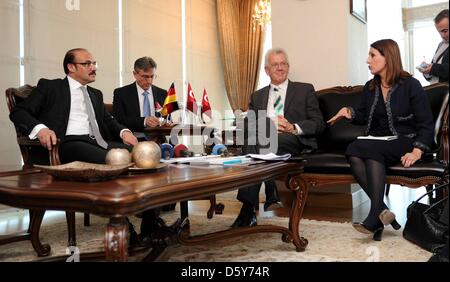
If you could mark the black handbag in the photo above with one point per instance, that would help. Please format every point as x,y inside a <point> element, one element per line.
<point>423,227</point>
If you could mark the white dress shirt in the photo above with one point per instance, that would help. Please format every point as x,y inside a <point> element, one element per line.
<point>78,118</point>
<point>282,89</point>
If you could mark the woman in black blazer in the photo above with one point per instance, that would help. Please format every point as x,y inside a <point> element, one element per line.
<point>393,103</point>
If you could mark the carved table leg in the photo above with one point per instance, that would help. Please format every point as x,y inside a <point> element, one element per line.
<point>116,239</point>
<point>36,217</point>
<point>71,230</point>
<point>300,189</point>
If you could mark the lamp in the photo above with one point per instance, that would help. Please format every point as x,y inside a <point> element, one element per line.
<point>262,14</point>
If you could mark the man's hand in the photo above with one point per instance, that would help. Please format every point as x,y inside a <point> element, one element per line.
<point>128,138</point>
<point>285,126</point>
<point>152,121</point>
<point>426,70</point>
<point>47,138</point>
<point>410,158</point>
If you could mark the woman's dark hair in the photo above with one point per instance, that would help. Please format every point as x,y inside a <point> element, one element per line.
<point>388,48</point>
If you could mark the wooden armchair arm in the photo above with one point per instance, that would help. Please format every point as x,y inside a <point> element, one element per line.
<point>444,148</point>
<point>25,142</point>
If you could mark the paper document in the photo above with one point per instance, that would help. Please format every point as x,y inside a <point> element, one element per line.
<point>186,160</point>
<point>385,138</point>
<point>270,157</point>
<point>218,160</point>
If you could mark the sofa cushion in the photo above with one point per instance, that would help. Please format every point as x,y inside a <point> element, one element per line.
<point>327,163</point>
<point>338,136</point>
<point>419,169</point>
<point>333,163</point>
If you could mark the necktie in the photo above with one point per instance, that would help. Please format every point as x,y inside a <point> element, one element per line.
<point>92,122</point>
<point>146,108</point>
<point>278,105</point>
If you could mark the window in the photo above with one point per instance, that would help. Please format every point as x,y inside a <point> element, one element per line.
<point>264,80</point>
<point>422,37</point>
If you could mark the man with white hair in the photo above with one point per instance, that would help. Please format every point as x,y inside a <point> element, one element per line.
<point>291,108</point>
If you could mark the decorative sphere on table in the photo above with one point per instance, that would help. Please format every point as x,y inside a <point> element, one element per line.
<point>146,154</point>
<point>118,157</point>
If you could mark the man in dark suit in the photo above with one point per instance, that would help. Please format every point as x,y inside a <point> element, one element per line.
<point>437,71</point>
<point>135,105</point>
<point>73,112</point>
<point>292,111</point>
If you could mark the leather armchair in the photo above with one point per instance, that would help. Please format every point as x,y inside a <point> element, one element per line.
<point>33,153</point>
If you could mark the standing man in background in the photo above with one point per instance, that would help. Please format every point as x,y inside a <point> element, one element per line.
<point>437,71</point>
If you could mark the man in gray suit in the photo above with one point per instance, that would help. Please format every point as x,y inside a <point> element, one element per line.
<point>291,108</point>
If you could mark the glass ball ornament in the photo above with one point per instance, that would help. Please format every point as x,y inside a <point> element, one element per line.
<point>146,154</point>
<point>118,156</point>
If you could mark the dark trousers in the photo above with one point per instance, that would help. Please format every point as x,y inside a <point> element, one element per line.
<point>287,144</point>
<point>83,148</point>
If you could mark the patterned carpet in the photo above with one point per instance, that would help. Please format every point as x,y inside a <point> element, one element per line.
<point>328,242</point>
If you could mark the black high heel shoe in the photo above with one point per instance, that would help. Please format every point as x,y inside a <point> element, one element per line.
<point>387,217</point>
<point>378,234</point>
<point>395,225</point>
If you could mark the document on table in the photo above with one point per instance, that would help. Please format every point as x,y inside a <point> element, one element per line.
<point>270,157</point>
<point>385,138</point>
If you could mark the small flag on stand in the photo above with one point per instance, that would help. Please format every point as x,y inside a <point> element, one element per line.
<point>170,103</point>
<point>206,107</point>
<point>158,108</point>
<point>191,103</point>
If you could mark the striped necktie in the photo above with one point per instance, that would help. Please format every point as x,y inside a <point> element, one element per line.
<point>92,121</point>
<point>278,105</point>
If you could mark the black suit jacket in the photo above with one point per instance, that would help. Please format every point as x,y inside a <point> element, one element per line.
<point>301,107</point>
<point>441,70</point>
<point>126,107</point>
<point>49,103</point>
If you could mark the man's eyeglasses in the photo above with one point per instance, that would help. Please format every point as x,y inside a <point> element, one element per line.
<point>148,77</point>
<point>278,65</point>
<point>87,64</point>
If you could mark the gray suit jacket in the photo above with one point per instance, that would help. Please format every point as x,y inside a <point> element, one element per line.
<point>301,107</point>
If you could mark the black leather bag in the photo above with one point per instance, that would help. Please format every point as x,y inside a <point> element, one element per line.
<point>423,227</point>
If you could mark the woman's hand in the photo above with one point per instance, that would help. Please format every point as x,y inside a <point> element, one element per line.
<point>343,113</point>
<point>410,158</point>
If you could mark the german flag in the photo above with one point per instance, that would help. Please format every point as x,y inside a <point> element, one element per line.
<point>170,103</point>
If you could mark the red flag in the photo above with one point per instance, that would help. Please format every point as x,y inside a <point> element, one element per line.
<point>158,107</point>
<point>170,103</point>
<point>206,107</point>
<point>191,103</point>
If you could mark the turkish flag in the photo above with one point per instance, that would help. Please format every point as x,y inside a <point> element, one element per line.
<point>206,107</point>
<point>191,103</point>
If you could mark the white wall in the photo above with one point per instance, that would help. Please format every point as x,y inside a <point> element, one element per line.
<point>323,42</point>
<point>9,77</point>
<point>51,30</point>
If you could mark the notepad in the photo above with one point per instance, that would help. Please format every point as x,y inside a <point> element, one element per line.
<point>383,138</point>
<point>270,157</point>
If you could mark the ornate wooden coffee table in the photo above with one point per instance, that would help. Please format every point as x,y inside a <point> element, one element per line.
<point>132,194</point>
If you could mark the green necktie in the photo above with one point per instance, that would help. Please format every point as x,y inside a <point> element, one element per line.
<point>278,105</point>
